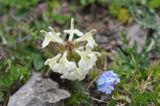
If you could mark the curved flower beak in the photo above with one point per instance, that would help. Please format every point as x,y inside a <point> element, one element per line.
<point>74,31</point>
<point>51,37</point>
<point>89,38</point>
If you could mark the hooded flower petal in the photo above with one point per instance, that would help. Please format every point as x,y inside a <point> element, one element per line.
<point>66,66</point>
<point>89,38</point>
<point>76,74</point>
<point>51,37</point>
<point>87,60</point>
<point>53,61</point>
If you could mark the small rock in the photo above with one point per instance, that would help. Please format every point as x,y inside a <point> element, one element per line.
<point>39,91</point>
<point>101,38</point>
<point>137,35</point>
<point>41,8</point>
<point>2,53</point>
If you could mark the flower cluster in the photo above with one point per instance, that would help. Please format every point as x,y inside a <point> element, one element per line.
<point>71,69</point>
<point>107,81</point>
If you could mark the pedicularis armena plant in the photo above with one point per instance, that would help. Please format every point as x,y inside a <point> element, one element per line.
<point>72,70</point>
<point>82,46</point>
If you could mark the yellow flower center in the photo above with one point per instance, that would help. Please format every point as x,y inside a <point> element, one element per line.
<point>107,88</point>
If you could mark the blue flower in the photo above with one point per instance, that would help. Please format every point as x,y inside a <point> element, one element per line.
<point>107,81</point>
<point>110,73</point>
<point>101,81</point>
<point>106,88</point>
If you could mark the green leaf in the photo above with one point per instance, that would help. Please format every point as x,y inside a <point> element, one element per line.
<point>87,2</point>
<point>154,3</point>
<point>14,74</point>
<point>37,58</point>
<point>143,98</point>
<point>1,96</point>
<point>61,19</point>
<point>38,61</point>
<point>19,4</point>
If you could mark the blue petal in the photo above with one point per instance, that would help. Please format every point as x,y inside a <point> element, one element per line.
<point>101,88</point>
<point>110,74</point>
<point>110,80</point>
<point>101,81</point>
<point>109,89</point>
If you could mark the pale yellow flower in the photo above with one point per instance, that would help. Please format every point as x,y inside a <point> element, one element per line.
<point>89,38</point>
<point>60,63</point>
<point>77,74</point>
<point>51,37</point>
<point>53,60</point>
<point>88,59</point>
